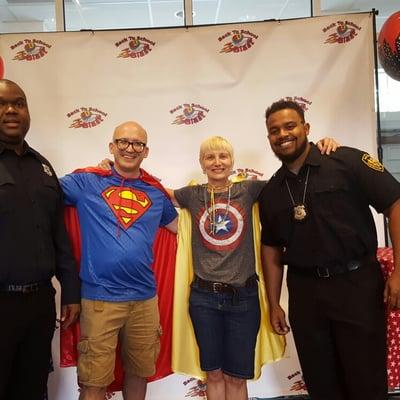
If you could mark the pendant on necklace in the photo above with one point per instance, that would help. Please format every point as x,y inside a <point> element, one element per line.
<point>300,212</point>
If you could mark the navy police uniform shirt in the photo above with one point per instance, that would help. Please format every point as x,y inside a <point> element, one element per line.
<point>34,245</point>
<point>339,226</point>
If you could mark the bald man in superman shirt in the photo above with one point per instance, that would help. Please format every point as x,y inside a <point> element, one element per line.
<point>119,213</point>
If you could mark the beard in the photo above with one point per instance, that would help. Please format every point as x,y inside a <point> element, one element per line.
<point>13,139</point>
<point>289,158</point>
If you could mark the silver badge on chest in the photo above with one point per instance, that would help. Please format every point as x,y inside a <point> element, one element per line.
<point>300,212</point>
<point>47,170</point>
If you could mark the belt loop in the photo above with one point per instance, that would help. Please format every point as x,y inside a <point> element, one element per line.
<point>235,297</point>
<point>98,305</point>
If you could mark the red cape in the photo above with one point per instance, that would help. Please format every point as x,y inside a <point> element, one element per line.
<point>164,270</point>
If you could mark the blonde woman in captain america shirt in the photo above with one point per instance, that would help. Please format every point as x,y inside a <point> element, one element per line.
<point>224,302</point>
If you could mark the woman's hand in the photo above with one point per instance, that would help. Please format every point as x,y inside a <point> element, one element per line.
<point>327,144</point>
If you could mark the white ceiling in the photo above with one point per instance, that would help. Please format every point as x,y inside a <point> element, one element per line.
<point>40,15</point>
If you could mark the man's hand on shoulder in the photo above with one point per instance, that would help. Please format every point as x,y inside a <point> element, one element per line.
<point>327,145</point>
<point>105,164</point>
<point>69,314</point>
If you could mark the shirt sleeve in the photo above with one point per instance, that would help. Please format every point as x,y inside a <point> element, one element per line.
<point>169,212</point>
<point>183,196</point>
<point>66,268</point>
<point>268,228</point>
<point>255,187</point>
<point>263,219</point>
<point>380,187</point>
<point>72,186</point>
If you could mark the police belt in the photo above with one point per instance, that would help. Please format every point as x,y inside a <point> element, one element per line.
<point>333,270</point>
<point>219,287</point>
<point>24,289</point>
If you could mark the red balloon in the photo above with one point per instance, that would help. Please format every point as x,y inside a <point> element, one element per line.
<point>1,68</point>
<point>389,46</point>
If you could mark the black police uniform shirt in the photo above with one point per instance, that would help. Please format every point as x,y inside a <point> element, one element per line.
<point>339,226</point>
<point>34,245</point>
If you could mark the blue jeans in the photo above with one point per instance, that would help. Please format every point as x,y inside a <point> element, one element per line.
<point>226,329</point>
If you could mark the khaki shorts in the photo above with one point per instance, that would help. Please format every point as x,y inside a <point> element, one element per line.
<point>135,323</point>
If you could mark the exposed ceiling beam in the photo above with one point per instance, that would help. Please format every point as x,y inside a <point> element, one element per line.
<point>188,13</point>
<point>316,8</point>
<point>60,15</point>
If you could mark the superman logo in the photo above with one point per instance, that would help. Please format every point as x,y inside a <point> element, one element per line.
<point>127,204</point>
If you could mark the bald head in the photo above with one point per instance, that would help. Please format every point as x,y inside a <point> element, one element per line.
<point>129,147</point>
<point>6,83</point>
<point>129,128</point>
<point>14,115</point>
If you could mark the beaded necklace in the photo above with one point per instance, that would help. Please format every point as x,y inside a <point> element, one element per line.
<point>214,224</point>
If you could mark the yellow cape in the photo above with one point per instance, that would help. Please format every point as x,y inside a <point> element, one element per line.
<point>185,353</point>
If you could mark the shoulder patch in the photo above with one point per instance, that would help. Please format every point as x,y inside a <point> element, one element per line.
<point>372,163</point>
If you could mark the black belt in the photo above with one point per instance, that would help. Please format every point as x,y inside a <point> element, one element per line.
<point>333,270</point>
<point>219,287</point>
<point>24,289</point>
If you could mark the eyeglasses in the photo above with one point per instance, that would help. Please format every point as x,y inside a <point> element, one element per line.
<point>123,144</point>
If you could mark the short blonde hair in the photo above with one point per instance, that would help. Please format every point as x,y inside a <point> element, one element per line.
<point>215,143</point>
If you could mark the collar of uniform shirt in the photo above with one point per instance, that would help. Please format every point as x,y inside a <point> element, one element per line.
<point>26,148</point>
<point>313,159</point>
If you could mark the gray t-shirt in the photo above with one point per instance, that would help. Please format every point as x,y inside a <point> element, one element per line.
<point>227,253</point>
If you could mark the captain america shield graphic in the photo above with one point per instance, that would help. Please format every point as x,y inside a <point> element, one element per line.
<point>226,231</point>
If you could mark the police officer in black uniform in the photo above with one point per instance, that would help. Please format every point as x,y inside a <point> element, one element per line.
<point>33,247</point>
<point>316,219</point>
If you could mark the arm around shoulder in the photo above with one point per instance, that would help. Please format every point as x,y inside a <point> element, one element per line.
<point>171,194</point>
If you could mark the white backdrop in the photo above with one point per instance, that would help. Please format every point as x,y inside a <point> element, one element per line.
<point>183,85</point>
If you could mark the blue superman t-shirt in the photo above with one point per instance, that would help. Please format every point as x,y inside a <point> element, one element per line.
<point>119,219</point>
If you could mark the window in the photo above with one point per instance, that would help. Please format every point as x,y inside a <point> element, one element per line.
<point>21,16</point>
<point>122,14</point>
<point>220,11</point>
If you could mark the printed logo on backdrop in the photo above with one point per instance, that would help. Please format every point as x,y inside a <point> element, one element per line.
<point>237,41</point>
<point>189,114</point>
<point>341,32</point>
<point>197,389</point>
<point>301,101</point>
<point>241,174</point>
<point>134,47</point>
<point>88,117</point>
<point>30,49</point>
<point>297,382</point>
